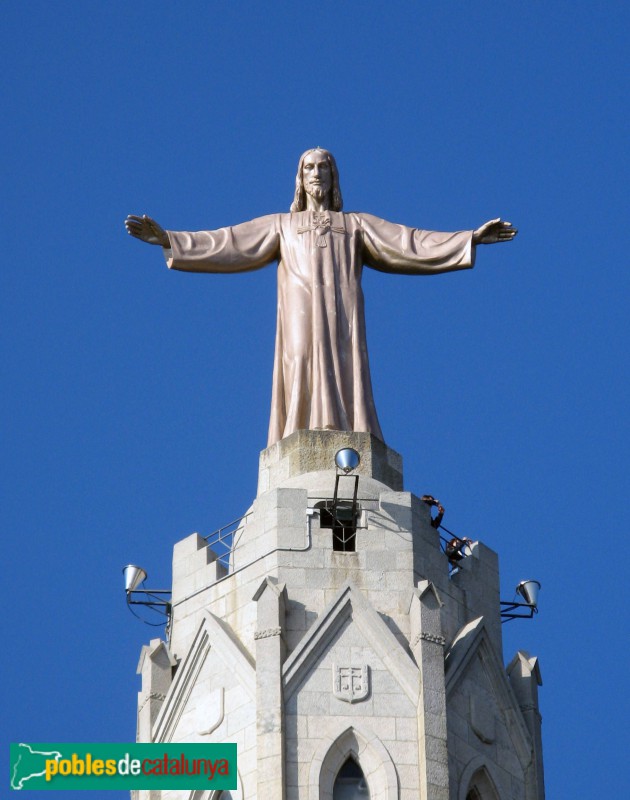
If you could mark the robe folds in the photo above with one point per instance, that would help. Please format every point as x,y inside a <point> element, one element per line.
<point>321,375</point>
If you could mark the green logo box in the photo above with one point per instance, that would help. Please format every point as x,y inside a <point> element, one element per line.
<point>114,765</point>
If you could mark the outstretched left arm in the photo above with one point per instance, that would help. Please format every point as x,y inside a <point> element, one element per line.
<point>390,247</point>
<point>493,231</point>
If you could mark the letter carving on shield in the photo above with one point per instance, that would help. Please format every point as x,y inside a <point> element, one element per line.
<point>351,684</point>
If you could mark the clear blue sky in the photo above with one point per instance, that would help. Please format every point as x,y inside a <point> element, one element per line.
<point>135,400</point>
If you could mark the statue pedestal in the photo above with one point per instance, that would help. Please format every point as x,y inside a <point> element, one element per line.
<point>314,451</point>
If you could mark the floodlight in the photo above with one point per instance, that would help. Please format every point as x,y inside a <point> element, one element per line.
<point>347,459</point>
<point>528,590</point>
<point>134,576</point>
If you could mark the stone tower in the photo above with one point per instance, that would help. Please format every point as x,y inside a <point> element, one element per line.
<point>334,647</point>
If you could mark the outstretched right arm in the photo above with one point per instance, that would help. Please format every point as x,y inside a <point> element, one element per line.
<point>238,248</point>
<point>147,230</point>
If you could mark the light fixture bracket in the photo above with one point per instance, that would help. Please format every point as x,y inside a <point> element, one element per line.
<point>157,599</point>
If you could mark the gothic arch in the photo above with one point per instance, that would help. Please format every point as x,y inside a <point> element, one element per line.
<point>370,754</point>
<point>478,782</point>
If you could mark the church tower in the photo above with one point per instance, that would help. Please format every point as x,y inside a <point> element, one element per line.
<point>329,637</point>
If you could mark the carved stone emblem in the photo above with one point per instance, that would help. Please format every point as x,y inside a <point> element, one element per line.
<point>321,224</point>
<point>351,684</point>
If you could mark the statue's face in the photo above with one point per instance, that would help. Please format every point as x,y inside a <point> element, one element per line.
<point>317,175</point>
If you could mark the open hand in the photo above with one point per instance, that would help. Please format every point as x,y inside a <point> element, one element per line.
<point>493,231</point>
<point>147,230</point>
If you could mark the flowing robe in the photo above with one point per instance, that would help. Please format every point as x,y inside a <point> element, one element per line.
<point>321,376</point>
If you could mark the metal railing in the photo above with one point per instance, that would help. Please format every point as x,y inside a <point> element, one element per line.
<point>222,541</point>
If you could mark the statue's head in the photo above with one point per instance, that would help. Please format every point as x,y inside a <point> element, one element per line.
<point>317,175</point>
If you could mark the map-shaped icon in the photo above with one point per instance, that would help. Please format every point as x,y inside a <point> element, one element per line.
<point>30,764</point>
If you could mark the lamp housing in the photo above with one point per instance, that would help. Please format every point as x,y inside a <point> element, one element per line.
<point>134,576</point>
<point>528,590</point>
<point>347,459</point>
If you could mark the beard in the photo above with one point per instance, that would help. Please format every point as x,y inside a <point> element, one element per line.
<point>316,192</point>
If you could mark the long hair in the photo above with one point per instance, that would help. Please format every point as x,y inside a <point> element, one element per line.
<point>299,199</point>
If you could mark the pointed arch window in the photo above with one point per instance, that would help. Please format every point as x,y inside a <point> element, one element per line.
<point>482,787</point>
<point>331,777</point>
<point>350,783</point>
